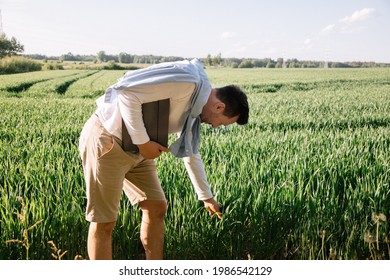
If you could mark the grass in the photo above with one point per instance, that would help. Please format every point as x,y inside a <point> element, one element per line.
<point>300,181</point>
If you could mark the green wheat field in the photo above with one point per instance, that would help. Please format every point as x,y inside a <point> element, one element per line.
<point>307,178</point>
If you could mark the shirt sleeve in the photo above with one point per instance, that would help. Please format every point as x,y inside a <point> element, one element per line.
<point>197,174</point>
<point>130,107</point>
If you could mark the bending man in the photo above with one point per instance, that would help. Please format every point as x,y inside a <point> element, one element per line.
<point>110,169</point>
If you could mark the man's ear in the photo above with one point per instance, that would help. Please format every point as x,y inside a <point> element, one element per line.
<point>220,106</point>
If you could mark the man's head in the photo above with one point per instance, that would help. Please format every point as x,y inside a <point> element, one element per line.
<point>225,106</point>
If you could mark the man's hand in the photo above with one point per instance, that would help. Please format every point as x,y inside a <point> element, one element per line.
<point>152,150</point>
<point>212,207</point>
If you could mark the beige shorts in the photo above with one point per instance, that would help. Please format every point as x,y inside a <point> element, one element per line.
<point>108,170</point>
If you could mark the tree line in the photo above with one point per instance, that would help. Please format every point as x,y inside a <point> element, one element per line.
<point>10,47</point>
<point>102,57</point>
<point>212,61</point>
<point>217,60</point>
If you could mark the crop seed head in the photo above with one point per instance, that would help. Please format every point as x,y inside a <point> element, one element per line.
<point>368,237</point>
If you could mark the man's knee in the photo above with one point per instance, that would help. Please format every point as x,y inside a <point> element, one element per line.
<point>102,228</point>
<point>154,209</point>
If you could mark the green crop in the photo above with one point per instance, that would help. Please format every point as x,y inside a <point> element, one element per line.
<point>307,178</point>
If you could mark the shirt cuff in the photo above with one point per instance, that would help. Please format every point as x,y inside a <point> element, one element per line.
<point>140,138</point>
<point>205,195</point>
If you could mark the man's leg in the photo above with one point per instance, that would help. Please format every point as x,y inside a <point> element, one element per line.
<point>100,241</point>
<point>152,228</point>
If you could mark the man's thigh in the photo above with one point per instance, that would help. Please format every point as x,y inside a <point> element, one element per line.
<point>142,183</point>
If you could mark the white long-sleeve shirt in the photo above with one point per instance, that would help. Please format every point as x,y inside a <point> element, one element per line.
<point>129,107</point>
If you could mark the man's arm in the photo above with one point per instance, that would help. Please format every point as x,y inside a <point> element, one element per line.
<point>130,107</point>
<point>196,171</point>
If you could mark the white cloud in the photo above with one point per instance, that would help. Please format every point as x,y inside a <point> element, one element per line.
<point>347,23</point>
<point>308,44</point>
<point>361,15</point>
<point>352,29</point>
<point>328,28</point>
<point>228,35</point>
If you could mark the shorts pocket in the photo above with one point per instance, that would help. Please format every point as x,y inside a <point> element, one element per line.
<point>106,146</point>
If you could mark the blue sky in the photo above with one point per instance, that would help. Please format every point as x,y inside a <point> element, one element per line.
<point>338,30</point>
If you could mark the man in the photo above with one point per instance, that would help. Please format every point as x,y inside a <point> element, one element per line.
<point>109,170</point>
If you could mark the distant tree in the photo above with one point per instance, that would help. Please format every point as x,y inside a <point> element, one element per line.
<point>101,56</point>
<point>36,56</point>
<point>88,57</point>
<point>270,64</point>
<point>259,63</point>
<point>234,65</point>
<point>125,58</point>
<point>293,63</point>
<point>279,62</point>
<point>230,62</point>
<point>217,59</point>
<point>246,63</point>
<point>9,47</point>
<point>208,60</point>
<point>109,57</point>
<point>339,65</point>
<point>70,57</point>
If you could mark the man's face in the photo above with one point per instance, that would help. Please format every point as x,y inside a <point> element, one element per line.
<point>212,114</point>
<point>216,120</point>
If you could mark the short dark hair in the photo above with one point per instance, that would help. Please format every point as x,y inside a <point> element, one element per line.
<point>236,103</point>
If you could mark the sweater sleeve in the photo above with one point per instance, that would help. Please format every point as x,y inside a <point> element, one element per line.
<point>197,174</point>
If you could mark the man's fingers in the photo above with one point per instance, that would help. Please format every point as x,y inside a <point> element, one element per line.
<point>164,149</point>
<point>214,211</point>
